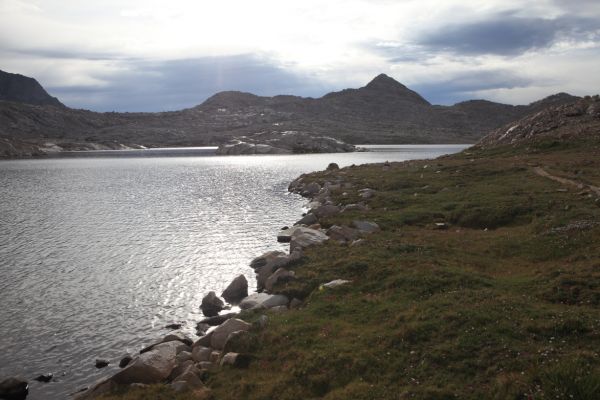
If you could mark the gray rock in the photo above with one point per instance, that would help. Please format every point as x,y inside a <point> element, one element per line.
<point>295,303</point>
<point>14,389</point>
<point>179,369</point>
<point>263,259</point>
<point>333,166</point>
<point>150,367</point>
<point>365,226</point>
<point>211,305</point>
<point>335,283</point>
<point>203,341</point>
<point>101,363</point>
<point>191,376</point>
<point>201,353</point>
<point>261,322</point>
<point>180,336</point>
<point>263,300</point>
<point>366,193</point>
<point>205,365</point>
<point>357,242</point>
<point>308,219</point>
<point>311,189</point>
<point>285,235</point>
<point>220,334</point>
<point>218,319</point>
<point>354,207</point>
<point>305,237</point>
<point>237,290</point>
<point>281,275</point>
<point>267,270</point>
<point>183,356</point>
<point>44,377</point>
<point>278,309</point>
<point>235,360</point>
<point>202,327</point>
<point>342,233</point>
<point>325,211</point>
<point>240,342</point>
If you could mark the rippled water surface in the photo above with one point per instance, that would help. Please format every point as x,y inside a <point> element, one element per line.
<point>98,254</point>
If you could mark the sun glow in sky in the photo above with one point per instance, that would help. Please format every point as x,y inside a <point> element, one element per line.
<point>156,55</point>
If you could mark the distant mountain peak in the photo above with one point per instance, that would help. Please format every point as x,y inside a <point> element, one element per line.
<point>385,84</point>
<point>23,89</point>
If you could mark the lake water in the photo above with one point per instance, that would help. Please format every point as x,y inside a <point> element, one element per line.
<point>98,253</point>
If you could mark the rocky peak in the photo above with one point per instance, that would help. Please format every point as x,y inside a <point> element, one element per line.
<point>386,85</point>
<point>23,89</point>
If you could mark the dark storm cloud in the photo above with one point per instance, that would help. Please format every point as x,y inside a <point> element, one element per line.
<point>507,34</point>
<point>176,84</point>
<point>462,86</point>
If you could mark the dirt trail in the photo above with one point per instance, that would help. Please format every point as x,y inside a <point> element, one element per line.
<point>541,172</point>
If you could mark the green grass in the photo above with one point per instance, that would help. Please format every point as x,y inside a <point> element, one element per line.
<point>504,304</point>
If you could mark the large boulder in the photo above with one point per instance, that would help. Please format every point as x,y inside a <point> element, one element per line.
<point>211,305</point>
<point>14,389</point>
<point>150,367</point>
<point>305,237</point>
<point>265,300</point>
<point>285,235</point>
<point>237,290</point>
<point>308,219</point>
<point>342,233</point>
<point>263,273</point>
<point>263,259</point>
<point>222,332</point>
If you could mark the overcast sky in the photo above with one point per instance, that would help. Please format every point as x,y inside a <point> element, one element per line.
<point>132,55</point>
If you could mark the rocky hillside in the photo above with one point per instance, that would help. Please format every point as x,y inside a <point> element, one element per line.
<point>22,89</point>
<point>562,122</point>
<point>383,111</point>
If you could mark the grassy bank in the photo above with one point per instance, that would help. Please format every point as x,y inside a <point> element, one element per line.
<point>503,303</point>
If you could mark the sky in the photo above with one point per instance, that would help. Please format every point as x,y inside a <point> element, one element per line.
<point>148,55</point>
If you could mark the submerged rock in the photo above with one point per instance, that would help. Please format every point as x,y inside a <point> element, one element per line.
<point>101,363</point>
<point>125,361</point>
<point>44,377</point>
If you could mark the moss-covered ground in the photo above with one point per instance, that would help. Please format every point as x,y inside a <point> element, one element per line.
<point>502,304</point>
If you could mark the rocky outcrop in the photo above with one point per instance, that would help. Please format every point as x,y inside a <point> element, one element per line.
<point>23,89</point>
<point>286,142</point>
<point>237,290</point>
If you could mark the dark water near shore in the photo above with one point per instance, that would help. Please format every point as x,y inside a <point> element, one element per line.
<point>98,253</point>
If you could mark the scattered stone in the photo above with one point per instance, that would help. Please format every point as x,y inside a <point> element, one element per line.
<point>44,377</point>
<point>125,361</point>
<point>305,237</point>
<point>14,389</point>
<point>278,309</point>
<point>354,207</point>
<point>183,356</point>
<point>217,319</point>
<point>240,342</point>
<point>101,363</point>
<point>357,242</point>
<point>285,235</point>
<point>220,334</point>
<point>366,226</point>
<point>150,367</point>
<point>335,283</point>
<point>257,300</point>
<point>261,322</point>
<point>366,193</point>
<point>441,225</point>
<point>263,259</point>
<point>325,211</point>
<point>308,219</point>
<point>211,305</point>
<point>202,327</point>
<point>342,233</point>
<point>295,303</point>
<point>201,353</point>
<point>180,336</point>
<point>173,326</point>
<point>332,167</point>
<point>311,189</point>
<point>281,275</point>
<point>237,290</point>
<point>205,365</point>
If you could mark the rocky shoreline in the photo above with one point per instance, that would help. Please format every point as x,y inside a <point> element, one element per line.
<point>226,337</point>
